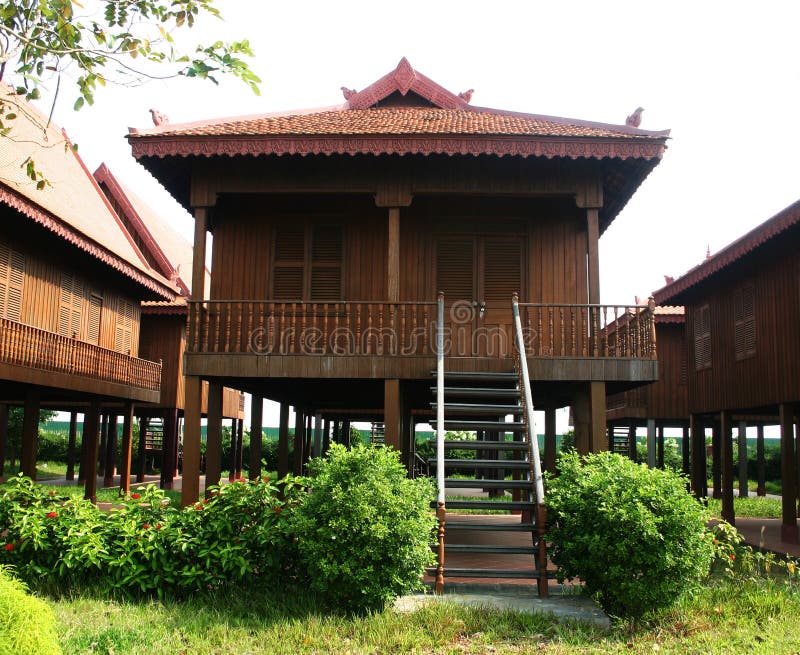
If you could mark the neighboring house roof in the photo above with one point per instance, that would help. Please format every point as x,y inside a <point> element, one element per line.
<point>171,251</point>
<point>70,204</point>
<point>178,307</point>
<point>669,314</point>
<point>735,251</point>
<point>406,113</point>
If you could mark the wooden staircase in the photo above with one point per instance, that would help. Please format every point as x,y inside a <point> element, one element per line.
<point>622,440</point>
<point>489,405</point>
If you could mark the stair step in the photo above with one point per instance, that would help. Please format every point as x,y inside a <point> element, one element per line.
<point>456,483</point>
<point>490,550</point>
<point>487,573</point>
<point>487,504</point>
<point>483,463</point>
<point>483,444</point>
<point>477,375</point>
<point>479,408</point>
<point>474,426</point>
<point>478,392</point>
<point>491,527</point>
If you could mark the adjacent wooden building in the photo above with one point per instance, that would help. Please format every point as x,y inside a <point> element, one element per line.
<point>162,335</point>
<point>334,229</point>
<point>742,317</point>
<point>71,285</point>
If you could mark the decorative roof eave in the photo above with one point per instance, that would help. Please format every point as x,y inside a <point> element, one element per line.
<point>513,145</point>
<point>177,308</point>
<point>59,228</point>
<point>754,239</point>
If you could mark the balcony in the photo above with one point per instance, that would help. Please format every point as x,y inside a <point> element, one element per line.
<point>51,359</point>
<point>382,335</point>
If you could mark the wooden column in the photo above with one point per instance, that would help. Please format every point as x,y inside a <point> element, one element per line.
<point>316,448</point>
<point>726,466</point>
<point>789,531</point>
<point>699,475</point>
<point>190,483</point>
<point>685,451</point>
<point>742,443</point>
<point>326,435</point>
<point>299,441</point>
<point>91,438</point>
<point>597,399</point>
<point>393,256</point>
<point>716,476</point>
<point>127,441</point>
<point>232,460</point>
<point>169,449</point>
<point>141,471</point>
<point>283,441</point>
<point>550,439</point>
<point>101,453</point>
<point>111,451</point>
<point>660,447</point>
<point>392,403</point>
<point>632,452</point>
<point>73,434</point>
<point>239,447</point>
<point>651,443</point>
<point>581,419</point>
<point>83,462</point>
<point>593,239</point>
<point>256,436</point>
<point>30,433</point>
<point>346,432</point>
<point>214,437</point>
<point>3,439</point>
<point>761,465</point>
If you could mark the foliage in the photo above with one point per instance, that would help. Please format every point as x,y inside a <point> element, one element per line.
<point>364,532</point>
<point>145,545</point>
<point>16,416</point>
<point>27,624</point>
<point>633,535</point>
<point>568,441</point>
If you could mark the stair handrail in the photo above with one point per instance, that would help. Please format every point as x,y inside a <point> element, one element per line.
<point>441,512</point>
<point>533,440</point>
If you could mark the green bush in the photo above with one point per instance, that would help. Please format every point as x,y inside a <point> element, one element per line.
<point>27,625</point>
<point>364,533</point>
<point>633,535</point>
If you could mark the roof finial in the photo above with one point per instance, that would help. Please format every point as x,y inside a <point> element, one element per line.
<point>466,96</point>
<point>348,93</point>
<point>635,119</point>
<point>158,117</point>
<point>668,279</point>
<point>708,251</point>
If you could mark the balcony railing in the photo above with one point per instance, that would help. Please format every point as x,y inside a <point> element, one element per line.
<point>24,345</point>
<point>408,329</point>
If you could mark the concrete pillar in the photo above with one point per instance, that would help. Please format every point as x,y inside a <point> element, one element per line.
<point>742,448</point>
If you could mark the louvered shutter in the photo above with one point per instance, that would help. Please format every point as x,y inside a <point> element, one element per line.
<point>12,280</point>
<point>502,271</point>
<point>744,322</point>
<point>455,269</point>
<point>702,337</point>
<point>124,330</point>
<point>287,273</point>
<point>95,313</point>
<point>70,307</point>
<point>326,263</point>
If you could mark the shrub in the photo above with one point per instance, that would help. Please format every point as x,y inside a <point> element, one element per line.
<point>27,625</point>
<point>633,535</point>
<point>364,533</point>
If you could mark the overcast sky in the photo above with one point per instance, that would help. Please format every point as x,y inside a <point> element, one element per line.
<point>723,76</point>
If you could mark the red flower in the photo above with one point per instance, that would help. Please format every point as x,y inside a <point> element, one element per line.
<point>732,556</point>
<point>146,526</point>
<point>205,501</point>
<point>136,496</point>
<point>51,493</point>
<point>198,507</point>
<point>51,515</point>
<point>277,510</point>
<point>8,547</point>
<point>158,526</point>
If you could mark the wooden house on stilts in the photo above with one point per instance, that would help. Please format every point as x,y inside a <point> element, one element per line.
<point>335,229</point>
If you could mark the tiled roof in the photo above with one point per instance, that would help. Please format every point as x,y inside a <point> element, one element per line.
<point>754,239</point>
<point>70,203</point>
<point>669,314</point>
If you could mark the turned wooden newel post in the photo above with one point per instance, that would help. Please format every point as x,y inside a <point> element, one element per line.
<point>441,516</point>
<point>651,310</point>
<point>541,529</point>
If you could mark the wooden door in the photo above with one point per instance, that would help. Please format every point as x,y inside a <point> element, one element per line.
<point>478,275</point>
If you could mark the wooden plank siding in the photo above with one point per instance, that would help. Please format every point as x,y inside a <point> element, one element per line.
<point>770,375</point>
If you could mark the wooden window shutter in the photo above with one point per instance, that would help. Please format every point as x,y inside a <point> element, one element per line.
<point>287,272</point>
<point>124,331</point>
<point>12,280</point>
<point>95,314</point>
<point>502,270</point>
<point>455,269</point>
<point>326,263</point>
<point>744,328</point>
<point>70,308</point>
<point>702,337</point>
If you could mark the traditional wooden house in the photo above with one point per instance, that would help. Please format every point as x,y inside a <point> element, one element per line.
<point>71,284</point>
<point>162,334</point>
<point>656,406</point>
<point>334,229</point>
<point>742,313</point>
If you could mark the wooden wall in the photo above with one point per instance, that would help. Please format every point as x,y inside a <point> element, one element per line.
<point>164,337</point>
<point>772,374</point>
<point>57,296</point>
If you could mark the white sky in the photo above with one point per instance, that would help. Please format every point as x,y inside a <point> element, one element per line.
<point>723,76</point>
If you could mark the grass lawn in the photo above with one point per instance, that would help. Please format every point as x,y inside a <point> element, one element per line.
<point>751,507</point>
<point>726,618</point>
